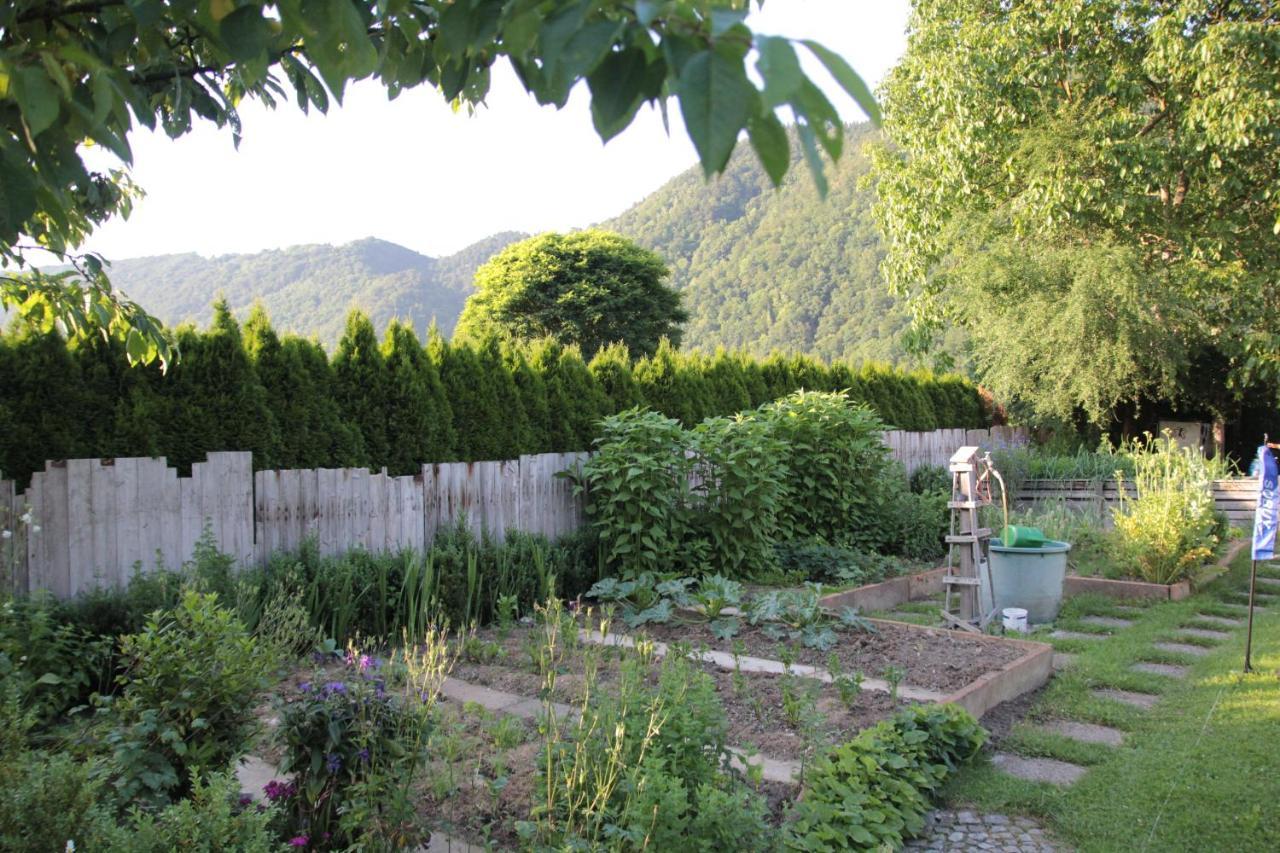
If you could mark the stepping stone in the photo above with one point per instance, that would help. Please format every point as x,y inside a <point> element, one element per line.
<point>1062,660</point>
<point>253,774</point>
<point>1182,649</point>
<point>1038,769</point>
<point>1107,621</point>
<point>1220,620</point>
<point>1076,635</point>
<point>1127,697</point>
<point>1268,582</point>
<point>441,843</point>
<point>1166,669</point>
<point>771,769</point>
<point>1204,634</point>
<point>1085,732</point>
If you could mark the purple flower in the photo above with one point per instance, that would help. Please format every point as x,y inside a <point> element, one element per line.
<point>305,687</point>
<point>245,799</point>
<point>333,687</point>
<point>364,754</point>
<point>277,790</point>
<point>299,841</point>
<point>333,762</point>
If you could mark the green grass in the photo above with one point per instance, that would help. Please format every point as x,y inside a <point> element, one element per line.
<point>1199,771</point>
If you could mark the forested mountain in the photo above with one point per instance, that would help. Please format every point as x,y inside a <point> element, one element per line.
<point>309,289</point>
<point>760,268</point>
<point>765,269</point>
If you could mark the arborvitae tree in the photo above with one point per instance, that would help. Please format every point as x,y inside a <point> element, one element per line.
<point>127,392</point>
<point>776,370</point>
<point>810,374</point>
<point>575,401</point>
<point>723,376</point>
<point>511,431</point>
<point>360,385</point>
<point>841,378</point>
<point>230,395</point>
<point>286,391</point>
<point>333,441</point>
<point>752,378</point>
<point>611,368</point>
<point>658,377</point>
<point>40,403</point>
<point>533,397</point>
<point>471,398</point>
<point>419,420</point>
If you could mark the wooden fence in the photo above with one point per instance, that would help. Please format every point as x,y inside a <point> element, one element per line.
<point>99,519</point>
<point>1237,498</point>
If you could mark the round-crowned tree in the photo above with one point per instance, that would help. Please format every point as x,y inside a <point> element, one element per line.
<point>589,289</point>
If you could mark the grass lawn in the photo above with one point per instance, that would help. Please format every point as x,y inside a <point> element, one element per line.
<point>1199,771</point>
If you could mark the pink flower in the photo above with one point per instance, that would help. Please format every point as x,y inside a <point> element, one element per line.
<point>299,841</point>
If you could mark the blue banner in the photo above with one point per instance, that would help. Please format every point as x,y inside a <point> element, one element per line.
<point>1268,513</point>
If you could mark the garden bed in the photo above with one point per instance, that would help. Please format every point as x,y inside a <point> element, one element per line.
<point>940,661</point>
<point>1079,585</point>
<point>888,594</point>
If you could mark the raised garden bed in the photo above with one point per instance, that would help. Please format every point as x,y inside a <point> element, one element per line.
<point>1078,585</point>
<point>888,594</point>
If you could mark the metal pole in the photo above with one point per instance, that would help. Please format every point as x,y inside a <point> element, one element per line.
<point>1248,641</point>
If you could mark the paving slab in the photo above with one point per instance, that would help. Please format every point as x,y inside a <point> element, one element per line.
<point>1128,697</point>
<point>1107,621</point>
<point>1076,635</point>
<point>1219,620</point>
<point>1204,634</point>
<point>1038,769</point>
<point>441,843</point>
<point>1166,669</point>
<point>1183,649</point>
<point>772,769</point>
<point>253,774</point>
<point>1085,732</point>
<point>968,832</point>
<point>1062,660</point>
<point>1264,581</point>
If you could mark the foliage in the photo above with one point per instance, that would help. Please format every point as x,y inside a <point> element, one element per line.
<point>816,561</point>
<point>588,289</point>
<point>637,490</point>
<point>872,792</point>
<point>50,664</point>
<point>354,748</point>
<point>922,520</point>
<point>1167,531</point>
<point>738,475</point>
<point>930,478</point>
<point>73,82</point>
<point>1089,186</point>
<point>834,463</point>
<point>385,405</point>
<point>189,681</point>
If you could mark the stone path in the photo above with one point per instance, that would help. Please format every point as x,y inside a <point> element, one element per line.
<point>1128,697</point>
<point>1166,669</point>
<point>496,700</point>
<point>967,831</point>
<point>1107,621</point>
<point>1062,660</point>
<point>1205,634</point>
<point>1182,649</point>
<point>1038,769</point>
<point>1076,635</point>
<point>1219,620</point>
<point>1085,732</point>
<point>253,774</point>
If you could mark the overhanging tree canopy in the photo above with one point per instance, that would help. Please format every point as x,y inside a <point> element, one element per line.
<point>86,72</point>
<point>1093,185</point>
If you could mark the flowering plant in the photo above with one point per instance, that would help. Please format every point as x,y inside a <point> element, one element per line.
<point>353,741</point>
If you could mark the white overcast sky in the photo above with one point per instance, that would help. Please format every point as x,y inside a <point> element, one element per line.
<point>413,172</point>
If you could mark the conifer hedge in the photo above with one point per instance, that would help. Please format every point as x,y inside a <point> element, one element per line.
<point>395,403</point>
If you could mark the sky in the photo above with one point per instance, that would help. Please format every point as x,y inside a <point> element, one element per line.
<point>413,172</point>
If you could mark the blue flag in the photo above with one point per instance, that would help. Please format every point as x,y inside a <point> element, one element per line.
<point>1268,512</point>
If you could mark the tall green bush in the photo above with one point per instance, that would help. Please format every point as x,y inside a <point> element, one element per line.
<point>360,385</point>
<point>419,419</point>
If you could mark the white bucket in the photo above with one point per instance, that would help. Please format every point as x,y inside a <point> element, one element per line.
<point>1015,619</point>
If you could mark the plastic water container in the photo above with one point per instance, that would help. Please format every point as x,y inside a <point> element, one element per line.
<point>1028,578</point>
<point>1014,536</point>
<point>1015,619</point>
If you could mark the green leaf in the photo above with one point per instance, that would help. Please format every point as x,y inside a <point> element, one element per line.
<point>245,33</point>
<point>769,139</point>
<point>37,97</point>
<point>812,159</point>
<point>780,70</point>
<point>716,99</point>
<point>848,79</point>
<point>617,90</point>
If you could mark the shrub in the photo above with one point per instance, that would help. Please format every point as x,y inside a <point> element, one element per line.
<point>1168,530</point>
<point>51,664</point>
<point>872,792</point>
<point>637,490</point>
<point>738,473</point>
<point>189,682</point>
<point>835,462</point>
<point>818,561</point>
<point>354,748</point>
<point>931,478</point>
<point>922,519</point>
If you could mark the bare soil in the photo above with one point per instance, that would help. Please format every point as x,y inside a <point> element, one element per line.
<point>937,660</point>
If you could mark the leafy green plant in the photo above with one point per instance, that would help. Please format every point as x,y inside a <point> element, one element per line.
<point>894,676</point>
<point>637,490</point>
<point>872,792</point>
<point>854,621</point>
<point>1168,531</point>
<point>188,687</point>
<point>52,664</point>
<point>714,593</point>
<point>813,560</point>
